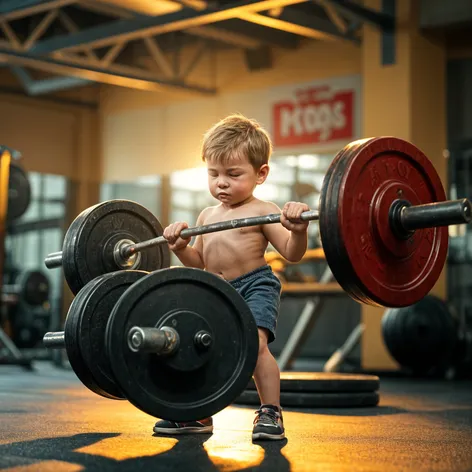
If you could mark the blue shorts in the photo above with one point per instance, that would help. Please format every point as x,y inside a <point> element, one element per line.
<point>261,290</point>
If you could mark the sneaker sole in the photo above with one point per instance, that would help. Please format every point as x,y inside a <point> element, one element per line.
<point>272,437</point>
<point>188,430</point>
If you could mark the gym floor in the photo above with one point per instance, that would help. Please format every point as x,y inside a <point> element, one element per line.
<point>50,422</point>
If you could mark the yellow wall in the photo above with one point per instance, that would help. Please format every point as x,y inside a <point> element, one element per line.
<point>55,137</point>
<point>146,133</point>
<point>406,100</point>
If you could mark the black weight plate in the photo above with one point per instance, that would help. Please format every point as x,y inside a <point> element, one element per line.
<point>89,242</point>
<point>97,307</point>
<point>147,380</point>
<point>19,192</point>
<point>34,287</point>
<point>72,340</point>
<point>87,325</point>
<point>315,400</point>
<point>324,382</point>
<point>69,250</point>
<point>420,336</point>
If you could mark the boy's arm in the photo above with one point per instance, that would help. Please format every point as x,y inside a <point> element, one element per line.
<point>192,256</point>
<point>290,244</point>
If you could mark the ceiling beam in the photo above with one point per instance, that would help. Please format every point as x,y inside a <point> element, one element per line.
<point>266,36</point>
<point>354,11</point>
<point>112,8</point>
<point>286,26</point>
<point>120,76</point>
<point>42,86</point>
<point>138,28</point>
<point>237,37</point>
<point>300,23</point>
<point>16,9</point>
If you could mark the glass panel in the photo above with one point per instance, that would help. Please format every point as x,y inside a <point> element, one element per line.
<point>35,183</point>
<point>51,241</point>
<point>53,210</point>
<point>183,198</point>
<point>145,191</point>
<point>183,215</point>
<point>26,250</point>
<point>55,186</point>
<point>33,213</point>
<point>281,172</point>
<point>106,192</point>
<point>190,179</point>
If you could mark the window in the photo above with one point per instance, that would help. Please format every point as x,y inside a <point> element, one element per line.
<point>39,231</point>
<point>146,191</point>
<point>295,177</point>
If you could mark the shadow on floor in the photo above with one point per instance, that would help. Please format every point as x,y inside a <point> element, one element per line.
<point>187,454</point>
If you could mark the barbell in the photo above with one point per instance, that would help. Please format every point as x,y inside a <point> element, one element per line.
<point>178,343</point>
<point>383,219</point>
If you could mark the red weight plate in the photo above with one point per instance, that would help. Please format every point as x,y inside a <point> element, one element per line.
<point>366,259</point>
<point>329,238</point>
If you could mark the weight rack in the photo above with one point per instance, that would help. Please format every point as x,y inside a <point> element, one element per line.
<point>15,357</point>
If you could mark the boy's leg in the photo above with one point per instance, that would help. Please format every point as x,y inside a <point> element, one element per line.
<point>267,373</point>
<point>269,421</point>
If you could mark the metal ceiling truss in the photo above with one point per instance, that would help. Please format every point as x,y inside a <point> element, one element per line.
<point>91,54</point>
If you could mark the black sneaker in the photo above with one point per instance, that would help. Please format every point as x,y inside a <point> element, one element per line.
<point>268,423</point>
<point>189,427</point>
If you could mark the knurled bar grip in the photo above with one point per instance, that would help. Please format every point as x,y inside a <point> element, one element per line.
<point>409,218</point>
<point>128,251</point>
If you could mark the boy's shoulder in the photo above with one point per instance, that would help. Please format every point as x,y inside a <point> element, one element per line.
<point>265,207</point>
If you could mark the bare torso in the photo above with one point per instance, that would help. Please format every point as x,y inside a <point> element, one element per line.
<point>237,251</point>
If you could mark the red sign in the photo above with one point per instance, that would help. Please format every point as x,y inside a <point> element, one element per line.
<point>316,115</point>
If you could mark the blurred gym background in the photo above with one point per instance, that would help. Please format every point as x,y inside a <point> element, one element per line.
<point>81,142</point>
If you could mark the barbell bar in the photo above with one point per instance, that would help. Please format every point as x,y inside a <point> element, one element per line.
<point>383,215</point>
<point>403,220</point>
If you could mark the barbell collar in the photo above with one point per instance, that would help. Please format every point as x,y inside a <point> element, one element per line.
<point>53,260</point>
<point>163,341</point>
<point>127,251</point>
<point>130,262</point>
<point>54,340</point>
<point>432,215</point>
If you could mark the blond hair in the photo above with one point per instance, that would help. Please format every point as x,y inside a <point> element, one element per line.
<point>237,137</point>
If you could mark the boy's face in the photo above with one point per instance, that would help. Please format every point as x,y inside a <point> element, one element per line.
<point>234,181</point>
